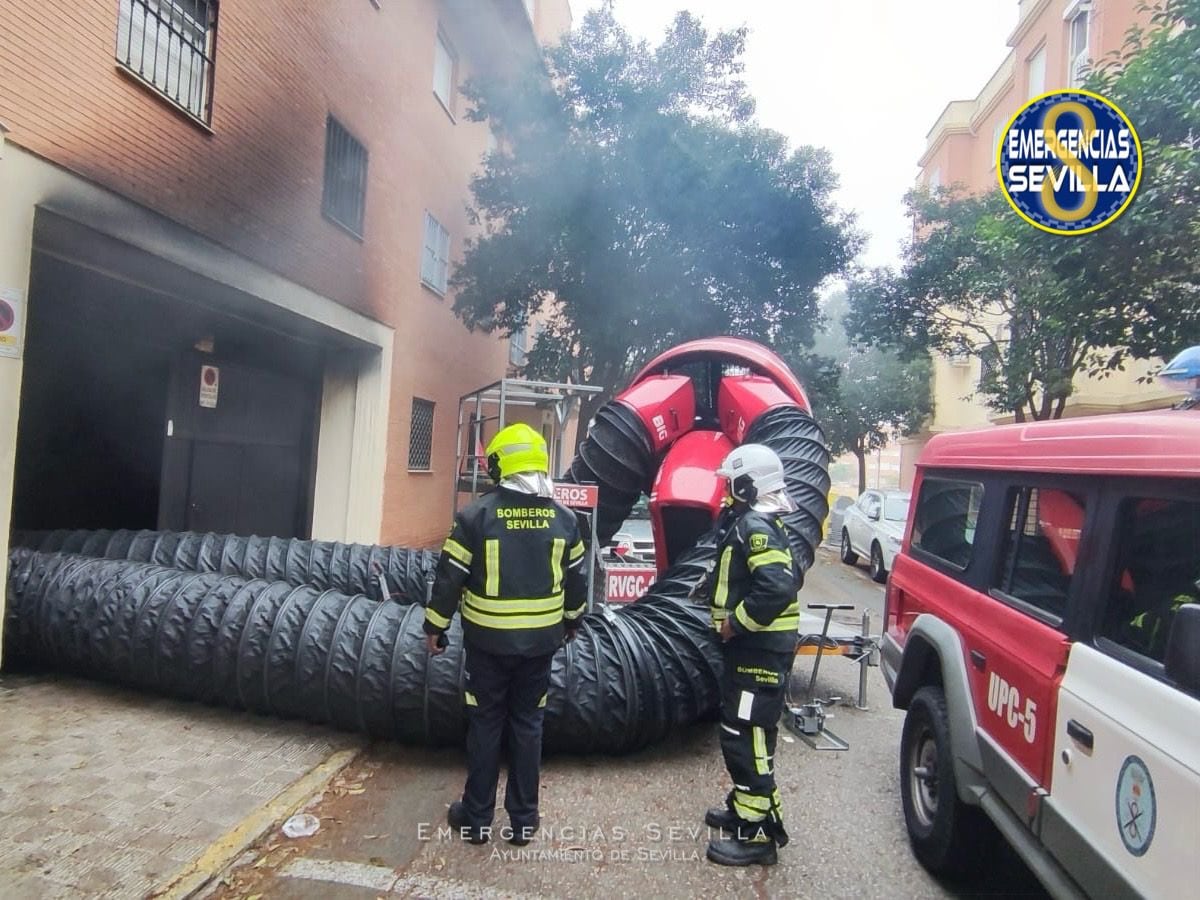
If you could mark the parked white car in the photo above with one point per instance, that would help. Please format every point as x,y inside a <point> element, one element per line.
<point>634,542</point>
<point>874,527</point>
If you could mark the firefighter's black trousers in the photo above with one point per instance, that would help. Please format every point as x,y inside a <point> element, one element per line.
<point>752,700</point>
<point>505,698</point>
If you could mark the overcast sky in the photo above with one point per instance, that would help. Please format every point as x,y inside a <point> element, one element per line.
<point>865,79</point>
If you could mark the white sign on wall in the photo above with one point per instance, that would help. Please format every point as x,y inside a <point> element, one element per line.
<point>210,384</point>
<point>12,321</point>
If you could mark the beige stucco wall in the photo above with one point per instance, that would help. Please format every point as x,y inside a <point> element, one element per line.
<point>960,150</point>
<point>16,236</point>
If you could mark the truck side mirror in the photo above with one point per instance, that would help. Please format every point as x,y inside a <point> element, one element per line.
<point>1183,648</point>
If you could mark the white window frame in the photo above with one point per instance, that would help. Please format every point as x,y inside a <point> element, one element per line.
<point>1040,56</point>
<point>518,346</point>
<point>1079,58</point>
<point>933,180</point>
<point>435,255</point>
<point>445,72</point>
<point>997,134</point>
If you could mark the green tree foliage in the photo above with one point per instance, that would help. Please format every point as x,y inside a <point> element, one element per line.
<point>1042,309</point>
<point>634,203</point>
<point>863,396</point>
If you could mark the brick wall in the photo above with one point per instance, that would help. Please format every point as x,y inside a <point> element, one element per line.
<point>253,182</point>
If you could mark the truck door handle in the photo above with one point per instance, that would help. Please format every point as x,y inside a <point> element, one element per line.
<point>978,660</point>
<point>1079,733</point>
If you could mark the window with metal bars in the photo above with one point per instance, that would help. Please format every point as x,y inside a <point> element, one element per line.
<point>345,197</point>
<point>171,45</point>
<point>420,436</point>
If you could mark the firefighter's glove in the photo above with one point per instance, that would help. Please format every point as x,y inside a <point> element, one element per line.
<point>437,643</point>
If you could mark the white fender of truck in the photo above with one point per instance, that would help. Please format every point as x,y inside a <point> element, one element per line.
<point>931,638</point>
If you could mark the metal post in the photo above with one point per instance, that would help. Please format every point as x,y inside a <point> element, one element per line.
<point>503,397</point>
<point>864,660</point>
<point>591,579</point>
<point>812,682</point>
<point>458,456</point>
<point>478,444</point>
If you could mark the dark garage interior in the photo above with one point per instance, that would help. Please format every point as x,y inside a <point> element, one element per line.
<point>113,433</point>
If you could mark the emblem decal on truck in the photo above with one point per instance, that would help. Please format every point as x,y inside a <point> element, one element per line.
<point>1136,809</point>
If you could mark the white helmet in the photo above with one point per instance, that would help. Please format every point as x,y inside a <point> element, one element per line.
<point>753,470</point>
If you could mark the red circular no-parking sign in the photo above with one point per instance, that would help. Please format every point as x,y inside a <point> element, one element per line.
<point>7,315</point>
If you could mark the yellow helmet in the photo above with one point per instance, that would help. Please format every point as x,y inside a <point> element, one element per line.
<point>515,449</point>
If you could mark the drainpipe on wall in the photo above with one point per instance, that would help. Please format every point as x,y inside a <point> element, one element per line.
<point>3,132</point>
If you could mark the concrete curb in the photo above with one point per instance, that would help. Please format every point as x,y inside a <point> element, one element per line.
<point>225,849</point>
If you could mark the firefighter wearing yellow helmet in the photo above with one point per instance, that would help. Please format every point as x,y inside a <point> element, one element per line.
<point>514,560</point>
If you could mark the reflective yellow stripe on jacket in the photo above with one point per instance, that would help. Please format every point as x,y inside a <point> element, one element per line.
<point>721,591</point>
<point>556,554</point>
<point>491,563</point>
<point>457,551</point>
<point>513,612</point>
<point>766,557</point>
<point>788,620</point>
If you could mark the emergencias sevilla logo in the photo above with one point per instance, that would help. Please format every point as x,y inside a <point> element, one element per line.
<point>1069,162</point>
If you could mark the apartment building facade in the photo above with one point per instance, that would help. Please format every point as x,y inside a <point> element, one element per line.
<point>225,235</point>
<point>1053,45</point>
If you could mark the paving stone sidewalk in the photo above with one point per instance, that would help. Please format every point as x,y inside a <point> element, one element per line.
<point>106,792</point>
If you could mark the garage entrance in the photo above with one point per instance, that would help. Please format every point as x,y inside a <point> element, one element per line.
<point>143,406</point>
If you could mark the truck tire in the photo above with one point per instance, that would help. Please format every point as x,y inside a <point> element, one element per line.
<point>945,833</point>
<point>849,557</point>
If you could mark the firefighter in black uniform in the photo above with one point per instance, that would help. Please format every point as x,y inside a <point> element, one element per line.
<point>755,609</point>
<point>514,559</point>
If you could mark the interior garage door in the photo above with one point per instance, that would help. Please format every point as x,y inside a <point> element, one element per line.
<point>237,456</point>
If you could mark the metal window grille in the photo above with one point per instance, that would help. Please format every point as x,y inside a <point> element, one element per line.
<point>420,439</point>
<point>171,45</point>
<point>345,196</point>
<point>990,367</point>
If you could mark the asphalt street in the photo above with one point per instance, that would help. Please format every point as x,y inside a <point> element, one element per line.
<point>631,826</point>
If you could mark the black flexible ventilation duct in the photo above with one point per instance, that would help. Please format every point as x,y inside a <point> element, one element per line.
<point>307,650</point>
<point>618,456</point>
<point>347,568</point>
<point>630,677</point>
<point>798,440</point>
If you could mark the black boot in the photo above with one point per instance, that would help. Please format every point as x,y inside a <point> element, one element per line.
<point>522,834</point>
<point>456,816</point>
<point>756,849</point>
<point>722,817</point>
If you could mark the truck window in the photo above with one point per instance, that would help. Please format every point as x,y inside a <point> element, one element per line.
<point>1158,570</point>
<point>946,517</point>
<point>1041,545</point>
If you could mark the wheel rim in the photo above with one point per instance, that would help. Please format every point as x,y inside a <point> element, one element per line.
<point>845,545</point>
<point>876,561</point>
<point>923,777</point>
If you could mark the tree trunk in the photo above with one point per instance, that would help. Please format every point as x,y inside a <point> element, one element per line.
<point>861,455</point>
